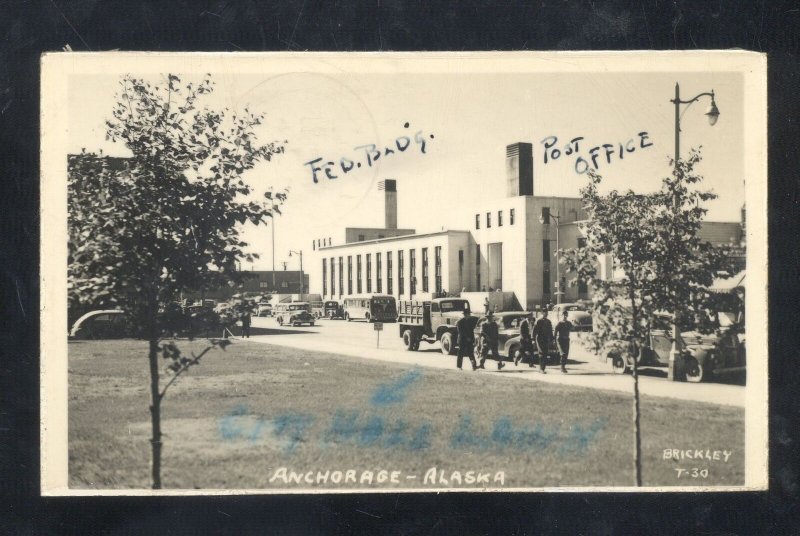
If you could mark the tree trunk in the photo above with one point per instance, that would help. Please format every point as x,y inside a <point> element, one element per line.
<point>155,400</point>
<point>637,434</point>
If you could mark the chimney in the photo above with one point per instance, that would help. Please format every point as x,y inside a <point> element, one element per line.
<point>389,187</point>
<point>519,169</point>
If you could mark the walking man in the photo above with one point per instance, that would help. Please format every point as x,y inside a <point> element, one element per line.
<point>466,340</point>
<point>543,336</point>
<point>526,343</point>
<point>562,331</point>
<point>246,323</point>
<point>489,341</point>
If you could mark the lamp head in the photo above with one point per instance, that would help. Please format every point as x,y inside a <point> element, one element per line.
<point>713,112</point>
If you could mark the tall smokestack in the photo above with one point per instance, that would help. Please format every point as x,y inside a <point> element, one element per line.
<point>519,169</point>
<point>389,187</point>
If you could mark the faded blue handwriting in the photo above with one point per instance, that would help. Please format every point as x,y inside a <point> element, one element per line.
<point>597,156</point>
<point>367,155</point>
<point>396,391</point>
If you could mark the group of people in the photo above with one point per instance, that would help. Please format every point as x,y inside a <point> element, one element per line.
<point>536,339</point>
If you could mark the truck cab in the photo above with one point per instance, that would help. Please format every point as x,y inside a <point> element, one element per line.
<point>431,321</point>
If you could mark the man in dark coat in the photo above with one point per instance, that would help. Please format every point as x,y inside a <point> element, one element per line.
<point>246,323</point>
<point>562,331</point>
<point>526,343</point>
<point>466,340</point>
<point>489,335</point>
<point>543,336</point>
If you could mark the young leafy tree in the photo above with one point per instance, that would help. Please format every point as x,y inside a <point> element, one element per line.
<point>660,264</point>
<point>168,218</point>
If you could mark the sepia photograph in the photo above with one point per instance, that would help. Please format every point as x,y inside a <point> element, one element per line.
<point>415,272</point>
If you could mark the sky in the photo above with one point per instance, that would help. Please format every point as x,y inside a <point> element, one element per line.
<point>466,120</point>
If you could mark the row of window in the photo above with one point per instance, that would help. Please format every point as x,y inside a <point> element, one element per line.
<point>321,242</point>
<point>511,218</point>
<point>329,267</point>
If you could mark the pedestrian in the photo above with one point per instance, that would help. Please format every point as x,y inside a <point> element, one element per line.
<point>543,336</point>
<point>246,320</point>
<point>489,332</point>
<point>486,305</point>
<point>466,340</point>
<point>526,343</point>
<point>562,331</point>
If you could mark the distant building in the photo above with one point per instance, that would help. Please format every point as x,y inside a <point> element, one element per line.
<point>260,282</point>
<point>507,244</point>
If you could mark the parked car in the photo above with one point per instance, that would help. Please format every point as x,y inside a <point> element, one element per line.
<point>508,323</point>
<point>577,313</point>
<point>221,307</point>
<point>264,309</point>
<point>103,324</point>
<point>719,353</point>
<point>514,345</point>
<point>293,313</point>
<point>301,317</point>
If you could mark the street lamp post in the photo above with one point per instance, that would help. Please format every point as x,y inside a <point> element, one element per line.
<point>302,277</point>
<point>545,221</point>
<point>674,372</point>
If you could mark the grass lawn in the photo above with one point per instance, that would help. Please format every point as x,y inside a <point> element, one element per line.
<point>237,418</point>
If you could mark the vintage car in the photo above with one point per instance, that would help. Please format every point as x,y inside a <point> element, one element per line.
<point>655,353</point>
<point>104,324</point>
<point>720,353</point>
<point>264,308</point>
<point>508,323</point>
<point>333,309</point>
<point>577,313</point>
<point>301,317</point>
<point>293,314</point>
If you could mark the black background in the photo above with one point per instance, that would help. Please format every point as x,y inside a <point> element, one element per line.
<point>29,28</point>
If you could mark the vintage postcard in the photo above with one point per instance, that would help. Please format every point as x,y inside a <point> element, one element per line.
<point>379,272</point>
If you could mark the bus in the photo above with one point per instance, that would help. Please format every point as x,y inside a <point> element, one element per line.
<point>375,308</point>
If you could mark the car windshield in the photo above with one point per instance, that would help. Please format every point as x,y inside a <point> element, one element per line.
<point>331,304</point>
<point>512,321</point>
<point>381,301</point>
<point>574,308</point>
<point>450,306</point>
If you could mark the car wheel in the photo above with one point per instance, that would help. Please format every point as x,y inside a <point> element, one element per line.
<point>448,348</point>
<point>514,353</point>
<point>618,364</point>
<point>409,342</point>
<point>694,370</point>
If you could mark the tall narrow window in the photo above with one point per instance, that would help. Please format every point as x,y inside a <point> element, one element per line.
<point>349,274</point>
<point>477,221</point>
<point>358,274</point>
<point>478,267</point>
<point>412,272</point>
<point>488,219</point>
<point>389,280</point>
<point>400,275</point>
<point>341,276</point>
<point>333,276</point>
<point>424,269</point>
<point>437,269</point>
<point>499,218</point>
<point>378,274</point>
<point>511,217</point>
<point>369,272</point>
<point>324,277</point>
<point>460,269</point>
<point>546,268</point>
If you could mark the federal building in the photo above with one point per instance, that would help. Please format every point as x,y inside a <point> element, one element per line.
<point>506,247</point>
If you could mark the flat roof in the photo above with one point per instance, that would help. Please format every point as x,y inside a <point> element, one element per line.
<point>392,239</point>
